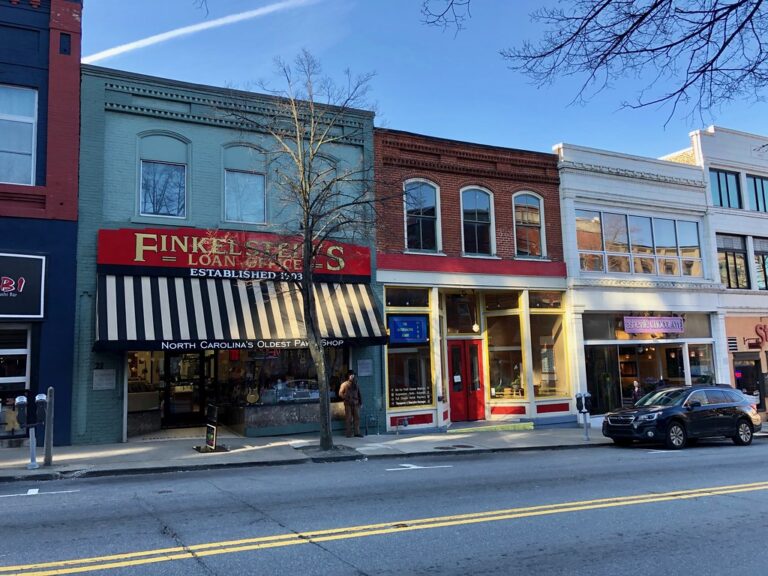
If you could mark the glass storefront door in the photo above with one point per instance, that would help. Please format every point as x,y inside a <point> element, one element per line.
<point>184,393</point>
<point>612,370</point>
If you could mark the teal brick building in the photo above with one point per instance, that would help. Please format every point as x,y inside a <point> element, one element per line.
<point>180,305</point>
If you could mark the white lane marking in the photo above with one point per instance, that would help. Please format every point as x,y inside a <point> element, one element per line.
<point>415,467</point>
<point>36,492</point>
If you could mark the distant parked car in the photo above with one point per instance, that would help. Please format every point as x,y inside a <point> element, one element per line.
<point>679,415</point>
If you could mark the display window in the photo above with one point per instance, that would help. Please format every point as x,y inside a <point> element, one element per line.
<point>548,355</point>
<point>14,375</point>
<point>505,358</point>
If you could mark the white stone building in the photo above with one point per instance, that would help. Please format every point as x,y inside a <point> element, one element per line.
<point>643,285</point>
<point>735,165</point>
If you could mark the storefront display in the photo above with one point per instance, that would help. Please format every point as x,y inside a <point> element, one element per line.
<point>655,349</point>
<point>232,337</point>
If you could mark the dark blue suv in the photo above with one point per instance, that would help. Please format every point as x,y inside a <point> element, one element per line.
<point>677,416</point>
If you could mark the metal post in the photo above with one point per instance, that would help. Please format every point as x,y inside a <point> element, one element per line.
<point>587,425</point>
<point>33,465</point>
<point>48,459</point>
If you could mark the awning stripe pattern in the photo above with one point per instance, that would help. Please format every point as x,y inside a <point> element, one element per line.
<point>135,309</point>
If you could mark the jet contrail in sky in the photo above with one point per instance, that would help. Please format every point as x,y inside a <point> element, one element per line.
<point>186,30</point>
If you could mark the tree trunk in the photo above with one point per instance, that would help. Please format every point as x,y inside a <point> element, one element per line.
<point>316,350</point>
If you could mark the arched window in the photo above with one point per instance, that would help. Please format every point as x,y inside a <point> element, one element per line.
<point>529,239</point>
<point>163,174</point>
<point>422,224</point>
<point>477,220</point>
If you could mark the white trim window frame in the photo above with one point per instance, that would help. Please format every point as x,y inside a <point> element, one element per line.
<point>263,199</point>
<point>491,223</point>
<point>8,118</point>
<point>541,227</point>
<point>159,214</point>
<point>26,352</point>
<point>436,219</point>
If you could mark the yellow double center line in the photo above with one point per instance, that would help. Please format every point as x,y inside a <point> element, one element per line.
<point>130,559</point>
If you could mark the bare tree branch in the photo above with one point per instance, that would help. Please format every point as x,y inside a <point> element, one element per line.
<point>692,54</point>
<point>320,173</point>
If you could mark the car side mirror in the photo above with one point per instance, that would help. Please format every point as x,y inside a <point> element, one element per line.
<point>694,404</point>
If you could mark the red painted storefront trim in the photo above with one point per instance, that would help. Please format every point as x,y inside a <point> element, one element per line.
<point>507,409</point>
<point>545,408</point>
<point>419,263</point>
<point>413,419</point>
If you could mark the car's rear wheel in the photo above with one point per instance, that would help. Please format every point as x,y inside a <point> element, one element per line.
<point>676,436</point>
<point>744,433</point>
<point>622,441</point>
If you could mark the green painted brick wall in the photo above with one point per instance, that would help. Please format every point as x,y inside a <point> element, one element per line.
<point>117,110</point>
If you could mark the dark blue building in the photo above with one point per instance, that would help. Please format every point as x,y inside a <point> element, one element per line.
<point>39,143</point>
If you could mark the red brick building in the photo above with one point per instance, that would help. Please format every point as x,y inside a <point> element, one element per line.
<point>470,255</point>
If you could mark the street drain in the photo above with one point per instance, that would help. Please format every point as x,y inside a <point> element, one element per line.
<point>445,448</point>
<point>462,446</point>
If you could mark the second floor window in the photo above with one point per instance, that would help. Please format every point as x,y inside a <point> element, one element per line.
<point>18,128</point>
<point>528,237</point>
<point>757,189</point>
<point>244,197</point>
<point>476,217</point>
<point>163,189</point>
<point>761,262</point>
<point>732,259</point>
<point>725,188</point>
<point>618,243</point>
<point>421,217</point>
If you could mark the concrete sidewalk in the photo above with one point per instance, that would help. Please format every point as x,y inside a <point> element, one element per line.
<point>176,452</point>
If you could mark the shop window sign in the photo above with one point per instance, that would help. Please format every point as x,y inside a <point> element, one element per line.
<point>409,329</point>
<point>653,324</point>
<point>21,286</point>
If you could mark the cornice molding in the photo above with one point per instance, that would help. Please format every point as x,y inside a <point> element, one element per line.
<point>628,283</point>
<point>633,174</point>
<point>218,108</point>
<point>525,172</point>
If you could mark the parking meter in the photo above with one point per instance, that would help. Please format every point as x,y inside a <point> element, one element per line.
<point>21,411</point>
<point>583,406</point>
<point>41,401</point>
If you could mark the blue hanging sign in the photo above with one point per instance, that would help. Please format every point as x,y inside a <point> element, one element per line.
<point>408,329</point>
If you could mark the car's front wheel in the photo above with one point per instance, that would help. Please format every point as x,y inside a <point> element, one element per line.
<point>744,433</point>
<point>676,436</point>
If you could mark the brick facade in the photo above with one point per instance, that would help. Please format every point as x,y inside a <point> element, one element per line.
<point>452,166</point>
<point>54,195</point>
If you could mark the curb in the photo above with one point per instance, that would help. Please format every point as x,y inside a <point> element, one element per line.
<point>320,459</point>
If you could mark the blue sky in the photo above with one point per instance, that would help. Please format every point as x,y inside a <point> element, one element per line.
<point>427,81</point>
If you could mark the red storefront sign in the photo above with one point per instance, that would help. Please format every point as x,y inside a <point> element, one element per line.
<point>232,253</point>
<point>762,332</point>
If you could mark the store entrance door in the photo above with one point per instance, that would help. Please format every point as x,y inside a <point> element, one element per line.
<point>465,369</point>
<point>183,393</point>
<point>746,372</point>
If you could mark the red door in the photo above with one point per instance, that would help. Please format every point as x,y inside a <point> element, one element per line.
<point>465,369</point>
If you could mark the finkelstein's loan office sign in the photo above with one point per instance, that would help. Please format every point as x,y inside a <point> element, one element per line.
<point>225,254</point>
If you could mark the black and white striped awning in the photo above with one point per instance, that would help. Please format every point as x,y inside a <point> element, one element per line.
<point>167,313</point>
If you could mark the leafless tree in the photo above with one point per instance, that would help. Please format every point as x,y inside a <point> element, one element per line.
<point>324,195</point>
<point>694,55</point>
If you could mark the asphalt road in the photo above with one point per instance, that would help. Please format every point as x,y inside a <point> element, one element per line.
<point>608,510</point>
